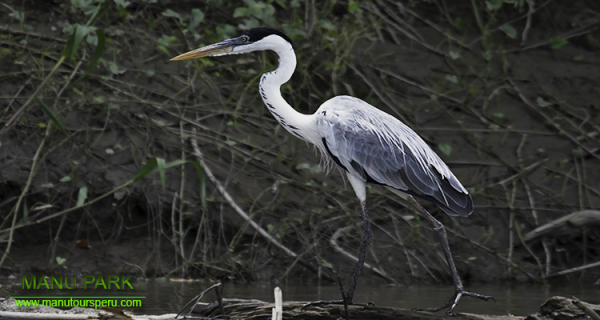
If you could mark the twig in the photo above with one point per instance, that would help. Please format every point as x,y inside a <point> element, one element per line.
<point>511,21</point>
<point>374,10</point>
<point>32,34</point>
<point>433,25</point>
<point>25,189</point>
<point>528,23</point>
<point>587,266</point>
<point>234,205</point>
<point>194,301</point>
<point>549,119</point>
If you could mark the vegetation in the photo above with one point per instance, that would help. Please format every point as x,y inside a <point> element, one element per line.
<point>504,90</point>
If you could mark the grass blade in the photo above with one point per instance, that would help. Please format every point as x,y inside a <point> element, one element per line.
<point>52,117</point>
<point>97,54</point>
<point>175,163</point>
<point>202,179</point>
<point>82,196</point>
<point>146,170</point>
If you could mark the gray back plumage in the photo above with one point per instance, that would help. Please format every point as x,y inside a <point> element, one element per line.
<point>376,147</point>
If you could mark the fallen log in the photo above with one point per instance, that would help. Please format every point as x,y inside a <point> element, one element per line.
<point>260,310</point>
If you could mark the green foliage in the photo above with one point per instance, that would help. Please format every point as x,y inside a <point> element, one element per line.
<point>557,43</point>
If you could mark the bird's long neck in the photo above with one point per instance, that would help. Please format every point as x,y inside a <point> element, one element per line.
<point>301,125</point>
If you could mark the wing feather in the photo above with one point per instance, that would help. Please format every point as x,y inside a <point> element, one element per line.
<point>377,147</point>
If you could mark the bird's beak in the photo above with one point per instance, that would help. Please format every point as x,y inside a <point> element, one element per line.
<point>217,49</point>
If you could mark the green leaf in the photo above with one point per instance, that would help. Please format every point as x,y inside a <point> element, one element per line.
<point>52,117</point>
<point>97,53</point>
<point>445,148</point>
<point>240,12</point>
<point>48,185</point>
<point>200,173</point>
<point>82,195</point>
<point>65,179</point>
<point>60,261</point>
<point>173,14</point>
<point>326,264</point>
<point>452,78</point>
<point>270,228</point>
<point>493,5</point>
<point>557,43</point>
<point>79,32</point>
<point>509,30</point>
<point>145,170</point>
<point>459,23</point>
<point>353,6</point>
<point>197,17</point>
<point>122,3</point>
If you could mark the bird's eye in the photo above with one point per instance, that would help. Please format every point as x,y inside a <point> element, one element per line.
<point>244,39</point>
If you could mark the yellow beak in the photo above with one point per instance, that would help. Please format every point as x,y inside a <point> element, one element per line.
<point>217,49</point>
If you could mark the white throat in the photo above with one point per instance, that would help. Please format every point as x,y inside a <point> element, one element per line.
<point>301,125</point>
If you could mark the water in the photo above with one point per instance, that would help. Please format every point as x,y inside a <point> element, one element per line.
<point>169,297</point>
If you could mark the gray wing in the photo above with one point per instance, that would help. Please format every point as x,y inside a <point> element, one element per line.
<point>379,148</point>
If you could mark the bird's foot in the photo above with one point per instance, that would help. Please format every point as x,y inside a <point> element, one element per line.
<point>455,299</point>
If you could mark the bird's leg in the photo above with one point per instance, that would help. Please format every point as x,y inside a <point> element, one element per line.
<point>367,240</point>
<point>440,231</point>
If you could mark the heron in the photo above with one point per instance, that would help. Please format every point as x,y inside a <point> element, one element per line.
<point>367,144</point>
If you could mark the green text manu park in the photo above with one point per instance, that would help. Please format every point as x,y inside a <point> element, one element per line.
<point>70,282</point>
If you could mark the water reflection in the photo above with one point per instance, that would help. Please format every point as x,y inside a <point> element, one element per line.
<point>167,297</point>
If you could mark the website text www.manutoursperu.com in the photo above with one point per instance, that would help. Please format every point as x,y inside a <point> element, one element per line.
<point>85,302</point>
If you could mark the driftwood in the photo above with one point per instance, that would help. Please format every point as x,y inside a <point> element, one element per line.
<point>576,219</point>
<point>561,308</point>
<point>260,310</point>
<point>555,308</point>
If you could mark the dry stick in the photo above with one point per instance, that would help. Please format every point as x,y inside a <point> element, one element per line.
<point>591,265</point>
<point>528,24</point>
<point>234,205</point>
<point>29,180</point>
<point>486,249</point>
<point>334,243</point>
<point>549,119</point>
<point>511,21</point>
<point>534,213</point>
<point>181,190</point>
<point>389,11</point>
<point>36,156</point>
<point>583,306</point>
<point>35,93</point>
<point>401,242</point>
<point>566,36</point>
<point>374,10</point>
<point>535,219</point>
<point>522,173</point>
<point>33,34</point>
<point>422,87</point>
<point>173,231</point>
<point>511,223</point>
<point>433,25</point>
